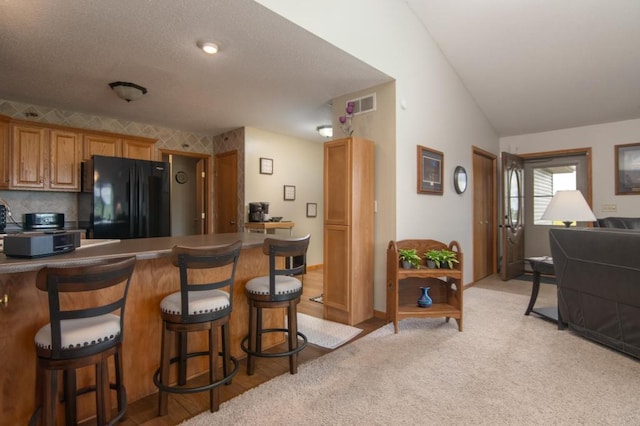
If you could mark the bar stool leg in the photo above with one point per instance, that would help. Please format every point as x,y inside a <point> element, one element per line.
<point>117,361</point>
<point>214,394</point>
<point>226,350</point>
<point>182,364</point>
<point>165,358</point>
<point>293,336</point>
<point>253,337</point>
<point>49,397</point>
<point>69,379</point>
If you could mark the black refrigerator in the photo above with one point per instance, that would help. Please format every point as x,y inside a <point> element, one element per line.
<point>123,198</point>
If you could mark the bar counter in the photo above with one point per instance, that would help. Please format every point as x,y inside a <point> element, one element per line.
<point>153,278</point>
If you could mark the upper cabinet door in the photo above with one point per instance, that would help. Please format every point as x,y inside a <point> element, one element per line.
<point>138,149</point>
<point>337,182</point>
<point>28,154</point>
<point>108,146</point>
<point>65,159</point>
<point>5,159</point>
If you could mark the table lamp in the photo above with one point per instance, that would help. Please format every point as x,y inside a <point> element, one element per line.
<point>568,206</point>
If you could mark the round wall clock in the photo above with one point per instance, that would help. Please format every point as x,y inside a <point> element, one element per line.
<point>460,179</point>
<point>182,177</point>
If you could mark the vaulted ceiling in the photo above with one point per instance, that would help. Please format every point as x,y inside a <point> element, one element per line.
<point>531,65</point>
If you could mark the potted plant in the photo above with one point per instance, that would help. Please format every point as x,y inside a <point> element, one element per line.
<point>441,258</point>
<point>409,258</point>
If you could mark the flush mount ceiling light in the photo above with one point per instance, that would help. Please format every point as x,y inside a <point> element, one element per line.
<point>208,47</point>
<point>127,91</point>
<point>325,130</point>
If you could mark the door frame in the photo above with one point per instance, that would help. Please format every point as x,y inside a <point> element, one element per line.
<point>494,206</point>
<point>208,181</point>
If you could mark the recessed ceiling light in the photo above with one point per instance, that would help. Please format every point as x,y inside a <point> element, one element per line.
<point>208,47</point>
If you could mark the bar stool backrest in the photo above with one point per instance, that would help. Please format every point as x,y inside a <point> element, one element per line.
<point>186,258</point>
<point>84,292</point>
<point>285,248</point>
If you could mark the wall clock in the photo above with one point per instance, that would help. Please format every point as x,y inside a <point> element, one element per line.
<point>182,177</point>
<point>460,179</point>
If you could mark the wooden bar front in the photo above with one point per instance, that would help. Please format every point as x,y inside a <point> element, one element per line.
<point>153,278</point>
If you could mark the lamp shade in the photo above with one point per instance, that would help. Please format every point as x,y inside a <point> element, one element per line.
<point>568,206</point>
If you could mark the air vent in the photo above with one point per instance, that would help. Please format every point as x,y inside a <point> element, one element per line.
<point>364,104</point>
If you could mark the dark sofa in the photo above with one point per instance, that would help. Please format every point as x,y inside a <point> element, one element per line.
<point>598,276</point>
<point>620,222</point>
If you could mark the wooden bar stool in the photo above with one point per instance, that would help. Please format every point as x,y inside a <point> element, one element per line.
<point>280,289</point>
<point>198,306</point>
<point>86,328</point>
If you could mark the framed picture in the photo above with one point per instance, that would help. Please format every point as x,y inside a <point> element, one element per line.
<point>627,169</point>
<point>266,166</point>
<point>312,209</point>
<point>430,165</point>
<point>289,193</point>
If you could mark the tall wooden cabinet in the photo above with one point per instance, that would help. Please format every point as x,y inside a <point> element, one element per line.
<point>5,156</point>
<point>348,230</point>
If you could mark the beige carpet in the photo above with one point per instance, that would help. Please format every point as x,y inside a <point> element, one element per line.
<point>505,368</point>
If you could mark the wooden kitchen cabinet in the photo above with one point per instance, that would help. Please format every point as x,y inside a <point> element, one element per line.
<point>138,148</point>
<point>98,144</point>
<point>65,154</point>
<point>348,230</point>
<point>111,145</point>
<point>28,146</point>
<point>5,156</point>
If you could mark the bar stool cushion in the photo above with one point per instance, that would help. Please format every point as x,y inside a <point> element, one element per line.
<point>81,332</point>
<point>284,285</point>
<point>200,302</point>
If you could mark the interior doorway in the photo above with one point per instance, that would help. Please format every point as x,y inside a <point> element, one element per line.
<point>190,191</point>
<point>484,214</point>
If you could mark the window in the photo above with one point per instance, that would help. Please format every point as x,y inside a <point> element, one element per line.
<point>546,181</point>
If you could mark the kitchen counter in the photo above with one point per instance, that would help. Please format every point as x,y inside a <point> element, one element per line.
<point>141,248</point>
<point>153,278</point>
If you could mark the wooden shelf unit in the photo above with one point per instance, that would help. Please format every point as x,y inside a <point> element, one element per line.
<point>403,285</point>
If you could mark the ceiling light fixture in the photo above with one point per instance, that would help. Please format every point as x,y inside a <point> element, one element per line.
<point>208,47</point>
<point>128,91</point>
<point>325,130</point>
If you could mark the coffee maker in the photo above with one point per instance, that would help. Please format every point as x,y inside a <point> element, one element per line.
<point>259,212</point>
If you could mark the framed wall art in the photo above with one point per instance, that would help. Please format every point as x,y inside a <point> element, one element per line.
<point>430,165</point>
<point>266,166</point>
<point>289,193</point>
<point>312,209</point>
<point>627,169</point>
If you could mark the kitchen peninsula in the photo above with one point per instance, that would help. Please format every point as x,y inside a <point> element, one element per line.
<point>153,278</point>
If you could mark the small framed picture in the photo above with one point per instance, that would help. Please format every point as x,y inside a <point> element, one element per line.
<point>430,165</point>
<point>266,166</point>
<point>289,193</point>
<point>628,169</point>
<point>312,209</point>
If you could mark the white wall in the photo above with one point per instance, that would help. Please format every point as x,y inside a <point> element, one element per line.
<point>296,162</point>
<point>432,109</point>
<point>601,138</point>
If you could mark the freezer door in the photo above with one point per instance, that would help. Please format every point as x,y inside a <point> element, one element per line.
<point>112,197</point>
<point>153,207</point>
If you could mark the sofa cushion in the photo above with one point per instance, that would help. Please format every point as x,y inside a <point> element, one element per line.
<point>620,222</point>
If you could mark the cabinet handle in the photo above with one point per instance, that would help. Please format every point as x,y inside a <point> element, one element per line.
<point>4,301</point>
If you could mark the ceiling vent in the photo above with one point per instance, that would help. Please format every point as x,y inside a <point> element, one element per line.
<point>364,104</point>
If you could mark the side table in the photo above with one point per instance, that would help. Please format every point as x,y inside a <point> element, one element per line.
<point>542,265</point>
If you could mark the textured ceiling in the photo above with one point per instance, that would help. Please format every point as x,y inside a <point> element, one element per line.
<point>269,73</point>
<point>531,65</point>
